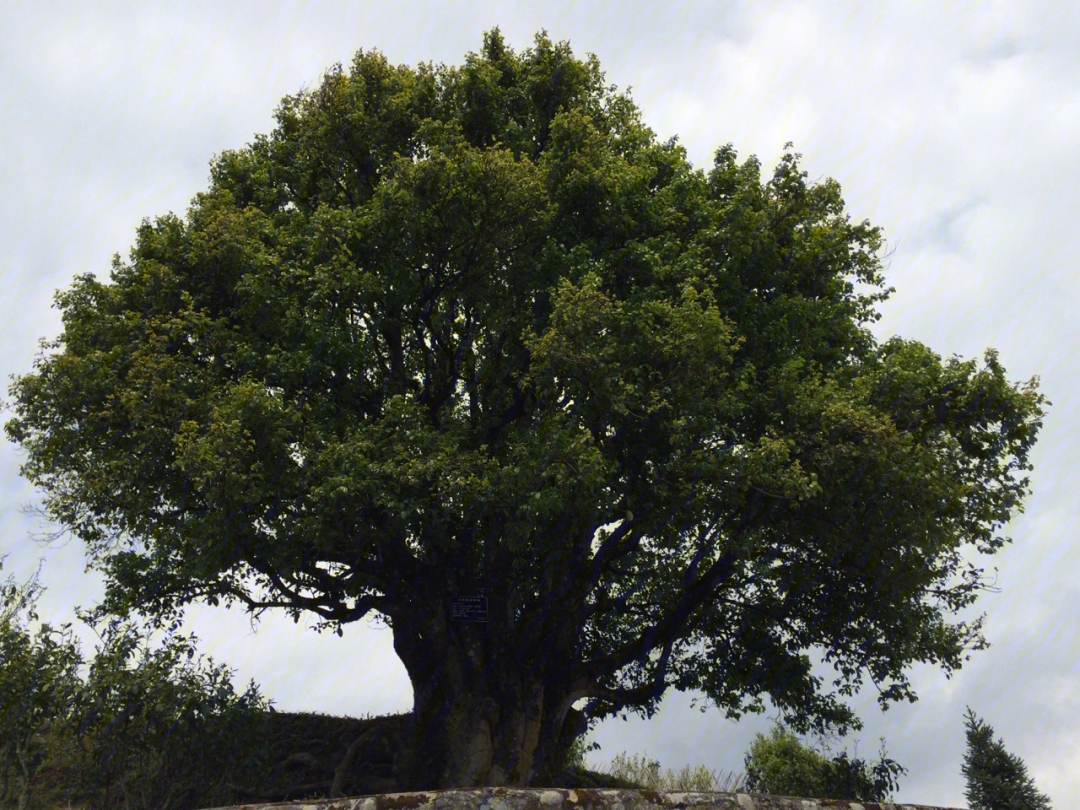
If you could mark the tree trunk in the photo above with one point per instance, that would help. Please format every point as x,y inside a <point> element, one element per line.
<point>488,709</point>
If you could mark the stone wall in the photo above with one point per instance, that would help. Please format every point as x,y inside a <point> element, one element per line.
<point>566,799</point>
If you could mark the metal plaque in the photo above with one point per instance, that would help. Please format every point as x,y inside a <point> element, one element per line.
<point>468,609</point>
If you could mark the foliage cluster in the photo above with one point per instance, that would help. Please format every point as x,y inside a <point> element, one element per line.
<point>38,687</point>
<point>782,764</point>
<point>149,725</point>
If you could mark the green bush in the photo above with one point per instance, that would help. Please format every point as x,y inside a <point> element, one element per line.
<point>782,764</point>
<point>996,779</point>
<point>161,728</point>
<point>39,687</point>
<point>151,727</point>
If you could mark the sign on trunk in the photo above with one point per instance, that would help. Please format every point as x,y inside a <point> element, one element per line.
<point>468,609</point>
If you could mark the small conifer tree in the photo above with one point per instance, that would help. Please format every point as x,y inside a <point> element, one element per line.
<point>996,779</point>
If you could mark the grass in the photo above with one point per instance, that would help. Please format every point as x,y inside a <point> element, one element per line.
<point>640,772</point>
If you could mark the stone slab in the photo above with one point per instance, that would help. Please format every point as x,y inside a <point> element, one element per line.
<point>568,799</point>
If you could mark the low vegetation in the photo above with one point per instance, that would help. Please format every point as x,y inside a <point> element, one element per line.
<point>645,774</point>
<point>149,724</point>
<point>783,764</point>
<point>152,725</point>
<point>141,725</point>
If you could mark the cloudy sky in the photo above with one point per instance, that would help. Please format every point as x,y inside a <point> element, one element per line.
<point>953,126</point>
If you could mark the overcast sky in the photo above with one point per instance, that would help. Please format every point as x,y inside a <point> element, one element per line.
<point>954,126</point>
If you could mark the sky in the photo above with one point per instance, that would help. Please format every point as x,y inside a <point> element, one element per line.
<point>953,126</point>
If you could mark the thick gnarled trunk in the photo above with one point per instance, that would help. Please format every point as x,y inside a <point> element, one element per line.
<point>484,712</point>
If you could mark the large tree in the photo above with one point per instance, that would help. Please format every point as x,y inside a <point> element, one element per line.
<point>474,331</point>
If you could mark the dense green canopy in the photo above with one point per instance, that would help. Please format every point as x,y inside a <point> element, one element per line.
<point>455,331</point>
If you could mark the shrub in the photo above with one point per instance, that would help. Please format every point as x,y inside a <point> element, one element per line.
<point>149,728</point>
<point>161,728</point>
<point>782,764</point>
<point>38,688</point>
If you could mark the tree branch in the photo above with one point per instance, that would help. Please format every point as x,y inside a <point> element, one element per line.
<point>667,629</point>
<point>329,606</point>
